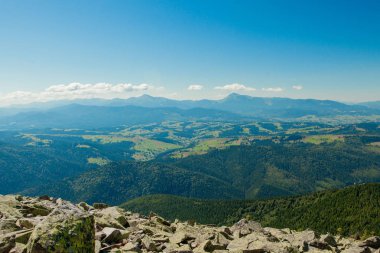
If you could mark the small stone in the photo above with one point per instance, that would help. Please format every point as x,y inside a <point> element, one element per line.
<point>148,244</point>
<point>44,197</point>
<point>19,198</point>
<point>59,202</point>
<point>98,246</point>
<point>357,249</point>
<point>183,249</point>
<point>180,237</point>
<point>320,245</point>
<point>100,205</point>
<point>154,217</point>
<point>112,235</point>
<point>373,242</point>
<point>84,206</point>
<point>329,239</point>
<point>25,223</point>
<point>130,247</point>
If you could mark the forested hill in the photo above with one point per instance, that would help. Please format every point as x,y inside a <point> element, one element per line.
<point>349,211</point>
<point>240,172</point>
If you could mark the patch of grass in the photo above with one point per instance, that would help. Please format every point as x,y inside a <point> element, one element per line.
<point>106,139</point>
<point>142,144</point>
<point>82,146</point>
<point>97,160</point>
<point>365,174</point>
<point>204,146</point>
<point>36,141</point>
<point>148,149</point>
<point>319,139</point>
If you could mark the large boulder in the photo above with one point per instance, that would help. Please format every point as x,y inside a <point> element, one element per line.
<point>65,229</point>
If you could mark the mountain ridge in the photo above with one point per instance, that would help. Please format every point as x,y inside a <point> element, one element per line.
<point>146,109</point>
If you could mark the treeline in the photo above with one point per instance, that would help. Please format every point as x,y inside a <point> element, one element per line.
<point>354,210</point>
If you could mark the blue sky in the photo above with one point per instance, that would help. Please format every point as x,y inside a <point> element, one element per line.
<point>301,49</point>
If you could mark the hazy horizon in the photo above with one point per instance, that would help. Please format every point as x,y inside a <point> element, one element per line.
<point>74,100</point>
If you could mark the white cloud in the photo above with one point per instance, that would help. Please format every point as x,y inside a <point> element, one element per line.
<point>78,88</point>
<point>276,89</point>
<point>195,87</point>
<point>297,87</point>
<point>235,87</point>
<point>76,91</point>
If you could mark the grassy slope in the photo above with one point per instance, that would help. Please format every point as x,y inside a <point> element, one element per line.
<point>354,209</point>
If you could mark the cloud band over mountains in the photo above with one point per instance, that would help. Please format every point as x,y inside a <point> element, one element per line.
<point>76,90</point>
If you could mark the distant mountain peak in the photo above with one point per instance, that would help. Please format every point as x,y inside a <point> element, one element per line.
<point>146,96</point>
<point>237,96</point>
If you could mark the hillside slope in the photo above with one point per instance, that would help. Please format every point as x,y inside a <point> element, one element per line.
<point>348,211</point>
<point>117,182</point>
<point>23,167</point>
<point>269,169</point>
<point>241,172</point>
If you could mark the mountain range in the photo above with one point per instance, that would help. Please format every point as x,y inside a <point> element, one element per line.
<point>98,113</point>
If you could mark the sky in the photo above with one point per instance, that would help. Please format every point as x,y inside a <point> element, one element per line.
<point>181,49</point>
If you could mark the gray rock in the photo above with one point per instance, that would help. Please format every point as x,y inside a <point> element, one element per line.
<point>8,226</point>
<point>100,205</point>
<point>181,237</point>
<point>329,239</point>
<point>320,245</point>
<point>148,244</point>
<point>98,246</point>
<point>7,242</point>
<point>111,217</point>
<point>246,225</point>
<point>357,249</point>
<point>85,206</point>
<point>130,247</point>
<point>23,236</point>
<point>112,235</point>
<point>66,229</point>
<point>27,222</point>
<point>373,242</point>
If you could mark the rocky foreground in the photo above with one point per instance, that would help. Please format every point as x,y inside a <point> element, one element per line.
<point>47,224</point>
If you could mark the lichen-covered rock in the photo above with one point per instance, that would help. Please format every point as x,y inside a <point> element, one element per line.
<point>23,236</point>
<point>111,217</point>
<point>111,235</point>
<point>85,206</point>
<point>8,226</point>
<point>66,229</point>
<point>7,242</point>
